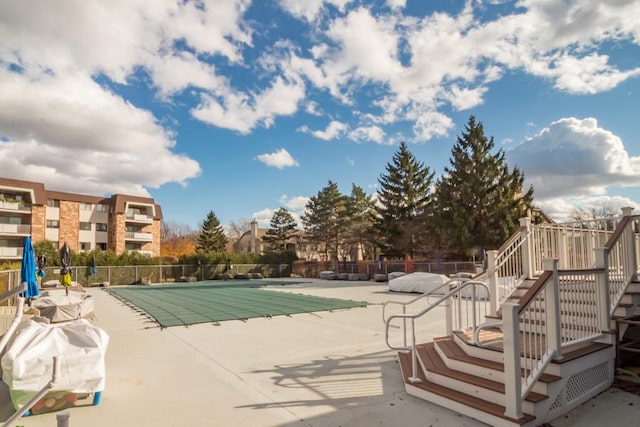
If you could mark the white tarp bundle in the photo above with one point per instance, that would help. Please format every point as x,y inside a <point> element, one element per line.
<point>27,364</point>
<point>57,306</point>
<point>418,282</point>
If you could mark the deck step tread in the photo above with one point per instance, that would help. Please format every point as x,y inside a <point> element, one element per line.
<point>454,352</point>
<point>567,355</point>
<point>434,363</point>
<point>456,396</point>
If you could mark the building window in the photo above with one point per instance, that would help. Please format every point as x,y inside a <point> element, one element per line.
<point>85,246</point>
<point>53,223</point>
<point>86,206</point>
<point>102,246</point>
<point>101,226</point>
<point>102,208</point>
<point>85,226</point>
<point>53,203</point>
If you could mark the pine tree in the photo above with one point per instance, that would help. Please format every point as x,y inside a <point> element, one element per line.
<point>404,203</point>
<point>282,228</point>
<point>479,199</point>
<point>360,213</point>
<point>324,219</point>
<point>211,238</point>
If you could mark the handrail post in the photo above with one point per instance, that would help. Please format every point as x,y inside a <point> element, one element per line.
<point>492,273</point>
<point>414,356</point>
<point>604,314</point>
<point>527,246</point>
<point>448,316</point>
<point>552,310</point>
<point>512,375</point>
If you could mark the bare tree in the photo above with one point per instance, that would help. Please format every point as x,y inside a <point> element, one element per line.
<point>236,229</point>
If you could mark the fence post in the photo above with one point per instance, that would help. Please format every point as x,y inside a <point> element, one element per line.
<point>492,273</point>
<point>552,308</point>
<point>512,376</point>
<point>527,248</point>
<point>603,302</point>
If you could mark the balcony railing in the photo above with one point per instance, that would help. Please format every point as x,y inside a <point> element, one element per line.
<point>15,206</point>
<point>134,235</point>
<point>139,218</point>
<point>6,252</point>
<point>15,229</point>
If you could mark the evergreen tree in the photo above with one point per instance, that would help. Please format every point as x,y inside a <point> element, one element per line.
<point>282,228</point>
<point>360,213</point>
<point>211,238</point>
<point>479,199</point>
<point>404,204</point>
<point>324,219</point>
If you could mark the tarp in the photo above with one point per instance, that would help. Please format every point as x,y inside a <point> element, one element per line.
<point>27,364</point>
<point>59,307</point>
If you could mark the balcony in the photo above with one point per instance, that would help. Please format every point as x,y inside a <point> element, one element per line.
<point>15,229</point>
<point>14,206</point>
<point>10,253</point>
<point>140,218</point>
<point>138,236</point>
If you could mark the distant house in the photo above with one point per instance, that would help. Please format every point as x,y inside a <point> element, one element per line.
<point>252,242</point>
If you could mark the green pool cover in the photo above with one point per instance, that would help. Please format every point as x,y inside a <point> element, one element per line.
<point>215,301</point>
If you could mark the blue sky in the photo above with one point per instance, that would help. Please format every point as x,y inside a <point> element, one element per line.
<point>243,107</point>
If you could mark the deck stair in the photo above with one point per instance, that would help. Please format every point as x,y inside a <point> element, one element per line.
<point>557,328</point>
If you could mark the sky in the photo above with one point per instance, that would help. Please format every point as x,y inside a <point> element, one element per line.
<point>241,107</point>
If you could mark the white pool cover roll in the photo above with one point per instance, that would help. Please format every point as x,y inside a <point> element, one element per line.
<point>419,283</point>
<point>27,365</point>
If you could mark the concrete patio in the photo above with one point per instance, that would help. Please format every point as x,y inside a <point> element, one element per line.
<point>313,369</point>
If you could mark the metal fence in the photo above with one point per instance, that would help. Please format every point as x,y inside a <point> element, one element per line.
<point>369,269</point>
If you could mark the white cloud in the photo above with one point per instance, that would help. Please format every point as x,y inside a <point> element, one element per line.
<point>263,217</point>
<point>574,157</point>
<point>560,209</point>
<point>279,159</point>
<point>396,4</point>
<point>333,131</point>
<point>309,9</point>
<point>296,203</point>
<point>368,133</point>
<point>243,112</point>
<point>75,136</point>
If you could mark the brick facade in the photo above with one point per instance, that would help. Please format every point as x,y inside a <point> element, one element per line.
<point>69,224</point>
<point>38,222</point>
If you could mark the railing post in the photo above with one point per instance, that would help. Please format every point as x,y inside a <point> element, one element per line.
<point>603,302</point>
<point>633,256</point>
<point>492,273</point>
<point>552,308</point>
<point>527,245</point>
<point>448,316</point>
<point>512,375</point>
<point>563,253</point>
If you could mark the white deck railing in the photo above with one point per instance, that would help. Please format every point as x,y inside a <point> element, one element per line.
<point>564,308</point>
<point>573,244</point>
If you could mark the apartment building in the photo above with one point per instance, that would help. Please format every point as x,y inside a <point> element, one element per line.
<point>120,222</point>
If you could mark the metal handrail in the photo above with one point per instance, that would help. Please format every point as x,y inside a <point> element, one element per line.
<point>457,290</point>
<point>426,295</point>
